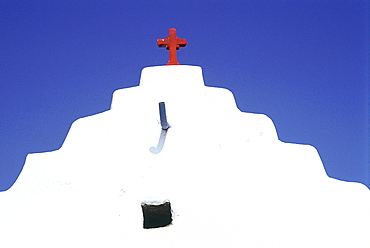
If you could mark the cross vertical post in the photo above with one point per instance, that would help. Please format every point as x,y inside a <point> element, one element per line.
<point>172,43</point>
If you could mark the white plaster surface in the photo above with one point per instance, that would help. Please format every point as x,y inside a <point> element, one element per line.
<point>230,181</point>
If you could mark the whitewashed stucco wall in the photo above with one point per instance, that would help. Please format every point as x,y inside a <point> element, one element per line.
<point>230,181</point>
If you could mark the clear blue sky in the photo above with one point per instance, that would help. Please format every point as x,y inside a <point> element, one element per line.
<point>302,63</point>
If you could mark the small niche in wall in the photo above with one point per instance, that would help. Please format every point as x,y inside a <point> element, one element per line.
<point>156,215</point>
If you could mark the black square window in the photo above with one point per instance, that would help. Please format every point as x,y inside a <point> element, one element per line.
<point>156,215</point>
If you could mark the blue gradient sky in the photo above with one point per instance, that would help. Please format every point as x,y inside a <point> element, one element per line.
<point>302,63</point>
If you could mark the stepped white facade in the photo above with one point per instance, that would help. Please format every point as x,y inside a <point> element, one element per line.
<point>229,180</point>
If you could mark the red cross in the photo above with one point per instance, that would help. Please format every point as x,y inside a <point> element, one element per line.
<point>172,43</point>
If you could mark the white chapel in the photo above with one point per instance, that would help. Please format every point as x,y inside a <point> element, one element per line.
<point>175,164</point>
